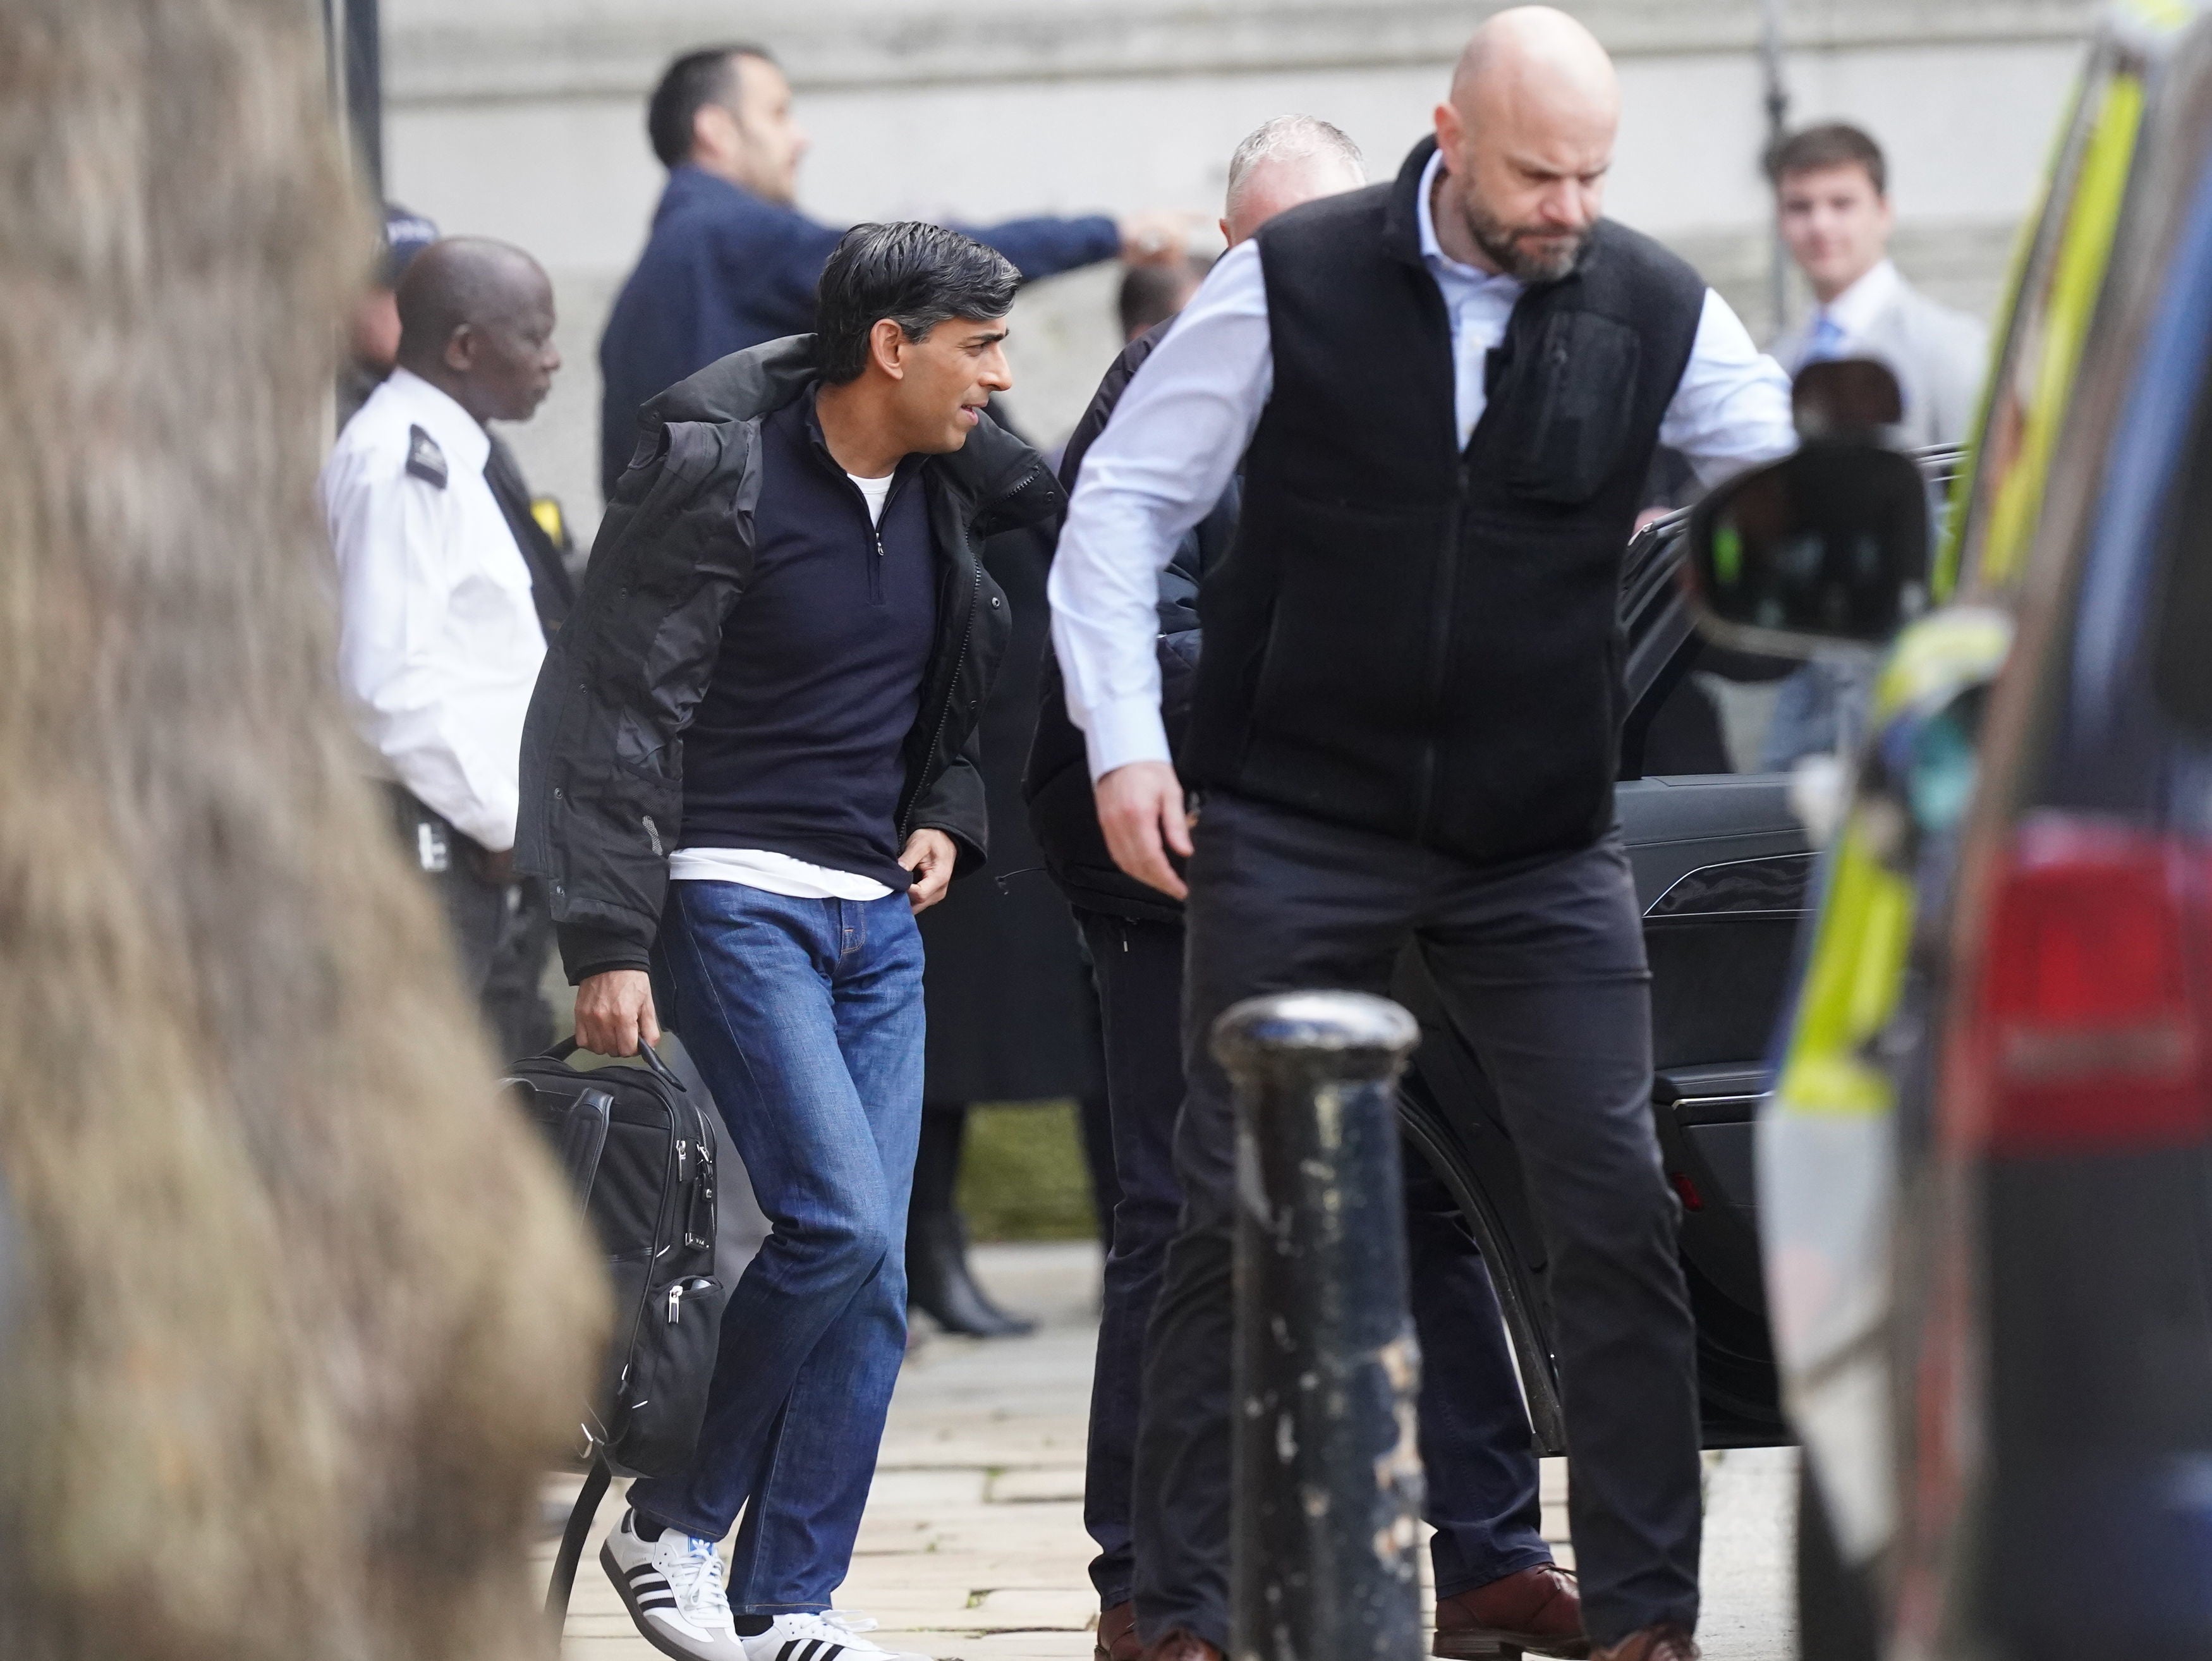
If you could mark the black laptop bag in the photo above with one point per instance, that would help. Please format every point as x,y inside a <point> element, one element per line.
<point>642,1153</point>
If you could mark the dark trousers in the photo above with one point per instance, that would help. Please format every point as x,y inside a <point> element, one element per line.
<point>1540,966</point>
<point>502,931</point>
<point>1475,1435</point>
<point>452,864</point>
<point>522,1022</point>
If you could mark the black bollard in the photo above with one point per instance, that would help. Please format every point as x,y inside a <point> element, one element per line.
<point>1328,1481</point>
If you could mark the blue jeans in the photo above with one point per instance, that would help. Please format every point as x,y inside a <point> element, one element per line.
<point>805,1019</point>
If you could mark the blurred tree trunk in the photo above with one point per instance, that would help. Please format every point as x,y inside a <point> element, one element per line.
<point>301,1312</point>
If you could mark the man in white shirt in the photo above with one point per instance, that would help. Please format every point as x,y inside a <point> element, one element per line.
<point>439,635</point>
<point>1445,393</point>
<point>1832,200</point>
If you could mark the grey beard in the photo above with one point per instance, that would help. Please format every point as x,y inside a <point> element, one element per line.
<point>1500,241</point>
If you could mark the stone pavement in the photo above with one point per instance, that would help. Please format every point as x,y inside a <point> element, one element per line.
<point>973,1545</point>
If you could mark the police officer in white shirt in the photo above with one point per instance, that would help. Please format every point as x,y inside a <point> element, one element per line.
<point>439,639</point>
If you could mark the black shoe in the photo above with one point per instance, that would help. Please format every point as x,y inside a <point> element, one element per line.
<point>940,1287</point>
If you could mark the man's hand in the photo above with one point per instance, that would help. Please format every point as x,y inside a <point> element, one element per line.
<point>1156,238</point>
<point>614,1011</point>
<point>1140,806</point>
<point>931,856</point>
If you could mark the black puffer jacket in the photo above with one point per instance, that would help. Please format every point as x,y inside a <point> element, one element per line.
<point>603,748</point>
<point>1057,786</point>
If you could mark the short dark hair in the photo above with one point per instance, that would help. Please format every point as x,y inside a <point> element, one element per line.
<point>1830,144</point>
<point>1153,294</point>
<point>709,75</point>
<point>917,275</point>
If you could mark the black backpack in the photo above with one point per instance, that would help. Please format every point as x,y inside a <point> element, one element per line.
<point>642,1153</point>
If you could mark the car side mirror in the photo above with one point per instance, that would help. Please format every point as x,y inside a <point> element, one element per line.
<point>1827,547</point>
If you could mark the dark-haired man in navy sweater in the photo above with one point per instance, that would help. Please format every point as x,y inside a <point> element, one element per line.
<point>752,754</point>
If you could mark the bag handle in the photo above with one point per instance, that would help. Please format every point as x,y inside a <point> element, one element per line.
<point>568,1046</point>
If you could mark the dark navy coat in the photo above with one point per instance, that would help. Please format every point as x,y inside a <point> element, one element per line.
<point>724,270</point>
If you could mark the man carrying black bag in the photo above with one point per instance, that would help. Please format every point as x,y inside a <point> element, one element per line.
<point>752,752</point>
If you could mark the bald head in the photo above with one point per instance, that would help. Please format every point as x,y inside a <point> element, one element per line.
<point>1539,52</point>
<point>1526,134</point>
<point>475,321</point>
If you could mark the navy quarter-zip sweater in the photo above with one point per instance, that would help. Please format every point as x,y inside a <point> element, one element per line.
<point>796,746</point>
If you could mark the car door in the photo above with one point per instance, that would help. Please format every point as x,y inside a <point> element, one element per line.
<point>1722,867</point>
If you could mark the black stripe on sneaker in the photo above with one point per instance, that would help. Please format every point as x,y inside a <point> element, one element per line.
<point>832,1654</point>
<point>645,1570</point>
<point>784,1654</point>
<point>665,1601</point>
<point>812,1644</point>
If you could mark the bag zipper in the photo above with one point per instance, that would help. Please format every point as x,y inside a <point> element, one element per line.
<point>702,1193</point>
<point>679,1159</point>
<point>680,1290</point>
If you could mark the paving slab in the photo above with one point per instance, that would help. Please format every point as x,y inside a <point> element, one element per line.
<point>972,1545</point>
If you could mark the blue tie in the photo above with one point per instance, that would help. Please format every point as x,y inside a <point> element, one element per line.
<point>1827,340</point>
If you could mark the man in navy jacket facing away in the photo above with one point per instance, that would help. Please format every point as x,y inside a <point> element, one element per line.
<point>732,262</point>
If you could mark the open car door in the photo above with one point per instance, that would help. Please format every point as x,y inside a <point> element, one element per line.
<point>1724,873</point>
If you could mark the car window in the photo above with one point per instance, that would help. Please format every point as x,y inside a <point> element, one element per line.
<point>2061,272</point>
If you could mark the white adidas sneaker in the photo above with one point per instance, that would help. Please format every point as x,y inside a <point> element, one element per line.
<point>673,1588</point>
<point>833,1635</point>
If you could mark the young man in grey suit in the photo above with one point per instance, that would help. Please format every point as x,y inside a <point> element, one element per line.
<point>1831,198</point>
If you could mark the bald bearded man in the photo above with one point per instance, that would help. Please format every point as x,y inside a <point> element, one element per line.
<point>1496,1583</point>
<point>1444,393</point>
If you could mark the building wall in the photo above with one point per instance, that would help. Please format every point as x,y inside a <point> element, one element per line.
<point>524,119</point>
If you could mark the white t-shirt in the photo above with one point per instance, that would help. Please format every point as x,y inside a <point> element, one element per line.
<point>779,874</point>
<point>878,491</point>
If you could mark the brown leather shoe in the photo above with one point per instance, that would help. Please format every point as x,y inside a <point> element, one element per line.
<point>1180,1646</point>
<point>1538,1609</point>
<point>1117,1635</point>
<point>1652,1644</point>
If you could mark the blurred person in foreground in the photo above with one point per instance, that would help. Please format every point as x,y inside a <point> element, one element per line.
<point>1832,201</point>
<point>1496,1583</point>
<point>816,661</point>
<point>1445,393</point>
<point>445,594</point>
<point>731,260</point>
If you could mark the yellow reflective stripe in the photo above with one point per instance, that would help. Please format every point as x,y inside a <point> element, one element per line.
<point>2092,223</point>
<point>1942,654</point>
<point>1945,578</point>
<point>1857,971</point>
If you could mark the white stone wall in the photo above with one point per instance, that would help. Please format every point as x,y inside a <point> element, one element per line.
<point>524,119</point>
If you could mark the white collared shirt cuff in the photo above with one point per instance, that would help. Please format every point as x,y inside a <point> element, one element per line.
<point>1125,731</point>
